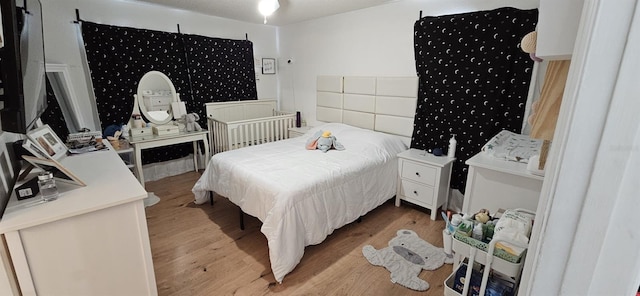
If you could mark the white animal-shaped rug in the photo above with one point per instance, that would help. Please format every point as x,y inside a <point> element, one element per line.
<point>405,257</point>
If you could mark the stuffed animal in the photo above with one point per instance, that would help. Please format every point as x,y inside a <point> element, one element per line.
<point>191,122</point>
<point>482,216</point>
<point>405,257</point>
<point>323,141</point>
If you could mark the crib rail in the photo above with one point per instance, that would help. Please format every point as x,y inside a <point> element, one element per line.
<point>243,133</point>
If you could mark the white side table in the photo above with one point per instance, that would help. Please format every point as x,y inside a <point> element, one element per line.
<point>125,151</point>
<point>423,179</point>
<point>298,131</point>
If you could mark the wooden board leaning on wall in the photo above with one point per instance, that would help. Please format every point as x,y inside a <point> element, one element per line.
<point>548,106</point>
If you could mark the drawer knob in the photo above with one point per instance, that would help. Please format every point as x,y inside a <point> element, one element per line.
<point>418,174</point>
<point>415,192</point>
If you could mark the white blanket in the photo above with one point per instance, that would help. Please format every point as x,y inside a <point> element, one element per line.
<point>301,195</point>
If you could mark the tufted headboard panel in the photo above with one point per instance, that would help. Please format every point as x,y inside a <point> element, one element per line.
<point>385,104</point>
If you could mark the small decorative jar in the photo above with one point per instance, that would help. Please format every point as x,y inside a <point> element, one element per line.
<point>47,185</point>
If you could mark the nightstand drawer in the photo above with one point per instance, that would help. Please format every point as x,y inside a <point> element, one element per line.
<point>415,192</point>
<point>419,172</point>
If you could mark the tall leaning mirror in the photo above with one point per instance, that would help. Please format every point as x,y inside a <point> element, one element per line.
<point>60,80</point>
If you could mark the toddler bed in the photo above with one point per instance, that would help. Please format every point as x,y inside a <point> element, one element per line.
<point>238,124</point>
<point>302,195</point>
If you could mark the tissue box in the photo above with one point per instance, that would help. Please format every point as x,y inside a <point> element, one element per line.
<point>167,129</point>
<point>139,132</point>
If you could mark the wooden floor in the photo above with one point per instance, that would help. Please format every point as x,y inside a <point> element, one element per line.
<point>200,250</point>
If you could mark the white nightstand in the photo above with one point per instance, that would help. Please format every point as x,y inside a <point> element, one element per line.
<point>298,131</point>
<point>423,179</point>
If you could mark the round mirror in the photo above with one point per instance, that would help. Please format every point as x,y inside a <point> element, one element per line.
<point>155,95</point>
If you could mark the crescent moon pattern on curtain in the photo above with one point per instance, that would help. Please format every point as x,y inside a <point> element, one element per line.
<point>473,80</point>
<point>119,56</point>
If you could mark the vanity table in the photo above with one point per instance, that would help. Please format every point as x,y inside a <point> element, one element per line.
<point>151,141</point>
<point>92,240</point>
<point>158,102</point>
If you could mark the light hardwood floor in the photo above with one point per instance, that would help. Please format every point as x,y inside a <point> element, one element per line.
<point>200,250</point>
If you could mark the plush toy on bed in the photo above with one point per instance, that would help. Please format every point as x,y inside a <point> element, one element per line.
<point>407,255</point>
<point>323,141</point>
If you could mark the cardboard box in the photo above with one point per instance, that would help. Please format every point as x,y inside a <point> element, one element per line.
<point>474,282</point>
<point>167,129</point>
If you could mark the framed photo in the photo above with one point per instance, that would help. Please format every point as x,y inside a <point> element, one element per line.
<point>268,66</point>
<point>48,141</point>
<point>59,171</point>
<point>34,149</point>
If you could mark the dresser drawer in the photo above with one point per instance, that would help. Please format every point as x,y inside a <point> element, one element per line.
<point>419,172</point>
<point>417,193</point>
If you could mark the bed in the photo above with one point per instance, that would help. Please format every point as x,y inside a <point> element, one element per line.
<point>301,196</point>
<point>238,124</point>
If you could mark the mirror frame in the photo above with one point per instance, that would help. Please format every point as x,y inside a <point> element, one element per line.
<point>60,78</point>
<point>140,95</point>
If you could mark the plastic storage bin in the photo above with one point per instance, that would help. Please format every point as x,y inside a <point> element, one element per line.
<point>487,255</point>
<point>496,285</point>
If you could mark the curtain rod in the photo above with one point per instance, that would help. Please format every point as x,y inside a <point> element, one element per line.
<point>78,20</point>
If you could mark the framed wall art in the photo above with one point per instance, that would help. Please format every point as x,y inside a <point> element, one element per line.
<point>268,66</point>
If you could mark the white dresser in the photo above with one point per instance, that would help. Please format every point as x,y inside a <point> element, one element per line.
<point>92,240</point>
<point>423,179</point>
<point>496,183</point>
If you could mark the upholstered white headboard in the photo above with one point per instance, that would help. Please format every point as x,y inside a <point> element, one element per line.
<point>385,104</point>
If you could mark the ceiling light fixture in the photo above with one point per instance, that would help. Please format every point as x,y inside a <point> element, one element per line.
<point>267,7</point>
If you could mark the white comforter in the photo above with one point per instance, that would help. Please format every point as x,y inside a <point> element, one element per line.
<point>301,195</point>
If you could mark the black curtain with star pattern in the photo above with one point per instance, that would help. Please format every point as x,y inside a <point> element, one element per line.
<point>209,70</point>
<point>473,80</point>
<point>221,69</point>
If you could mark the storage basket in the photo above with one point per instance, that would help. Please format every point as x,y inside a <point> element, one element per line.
<point>506,288</point>
<point>500,253</point>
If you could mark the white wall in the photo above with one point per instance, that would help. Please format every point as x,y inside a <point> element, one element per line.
<point>61,43</point>
<point>376,41</point>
